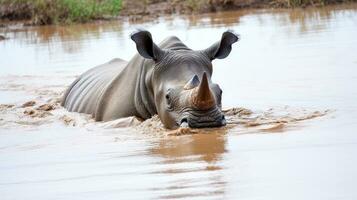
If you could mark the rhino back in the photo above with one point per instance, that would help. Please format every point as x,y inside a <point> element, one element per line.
<point>86,91</point>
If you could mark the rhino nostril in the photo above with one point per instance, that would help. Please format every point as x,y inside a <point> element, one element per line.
<point>184,122</point>
<point>223,120</point>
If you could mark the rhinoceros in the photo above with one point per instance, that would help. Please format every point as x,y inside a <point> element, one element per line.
<point>169,79</point>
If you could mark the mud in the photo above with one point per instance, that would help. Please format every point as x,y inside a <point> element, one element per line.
<point>47,107</point>
<point>271,120</point>
<point>44,108</point>
<point>28,104</point>
<point>2,37</point>
<point>6,106</point>
<point>138,10</point>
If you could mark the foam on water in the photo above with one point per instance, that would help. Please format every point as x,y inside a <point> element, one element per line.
<point>44,108</point>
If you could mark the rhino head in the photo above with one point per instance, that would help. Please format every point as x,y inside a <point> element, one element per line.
<point>180,80</point>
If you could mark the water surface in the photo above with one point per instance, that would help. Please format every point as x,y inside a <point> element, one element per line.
<point>301,58</point>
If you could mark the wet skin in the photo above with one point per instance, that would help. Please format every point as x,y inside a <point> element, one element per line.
<point>168,79</point>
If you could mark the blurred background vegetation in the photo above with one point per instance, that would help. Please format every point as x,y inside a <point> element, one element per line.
<point>41,12</point>
<point>58,11</point>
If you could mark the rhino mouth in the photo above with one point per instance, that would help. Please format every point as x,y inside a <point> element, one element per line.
<point>203,119</point>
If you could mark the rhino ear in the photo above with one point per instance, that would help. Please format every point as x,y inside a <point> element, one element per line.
<point>222,48</point>
<point>145,46</point>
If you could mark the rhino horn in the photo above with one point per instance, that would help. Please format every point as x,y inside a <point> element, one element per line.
<point>192,83</point>
<point>202,96</point>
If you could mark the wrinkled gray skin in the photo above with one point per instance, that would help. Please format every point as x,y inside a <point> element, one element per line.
<point>170,80</point>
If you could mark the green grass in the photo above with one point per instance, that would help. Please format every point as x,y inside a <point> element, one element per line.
<point>59,11</point>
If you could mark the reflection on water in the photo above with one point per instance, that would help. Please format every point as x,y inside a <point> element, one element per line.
<point>307,19</point>
<point>208,147</point>
<point>64,48</point>
<point>302,17</point>
<point>198,154</point>
<point>50,49</point>
<point>55,34</point>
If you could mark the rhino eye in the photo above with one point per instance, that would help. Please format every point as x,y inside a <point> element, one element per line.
<point>168,102</point>
<point>168,99</point>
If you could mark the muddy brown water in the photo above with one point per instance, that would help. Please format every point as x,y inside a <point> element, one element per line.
<point>295,70</point>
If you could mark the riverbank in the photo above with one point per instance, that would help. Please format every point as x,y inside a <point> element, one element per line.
<point>139,8</point>
<point>42,12</point>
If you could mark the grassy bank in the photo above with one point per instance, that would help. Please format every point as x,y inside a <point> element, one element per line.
<point>58,11</point>
<point>67,11</point>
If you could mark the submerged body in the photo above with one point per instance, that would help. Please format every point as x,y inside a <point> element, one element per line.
<point>170,80</point>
